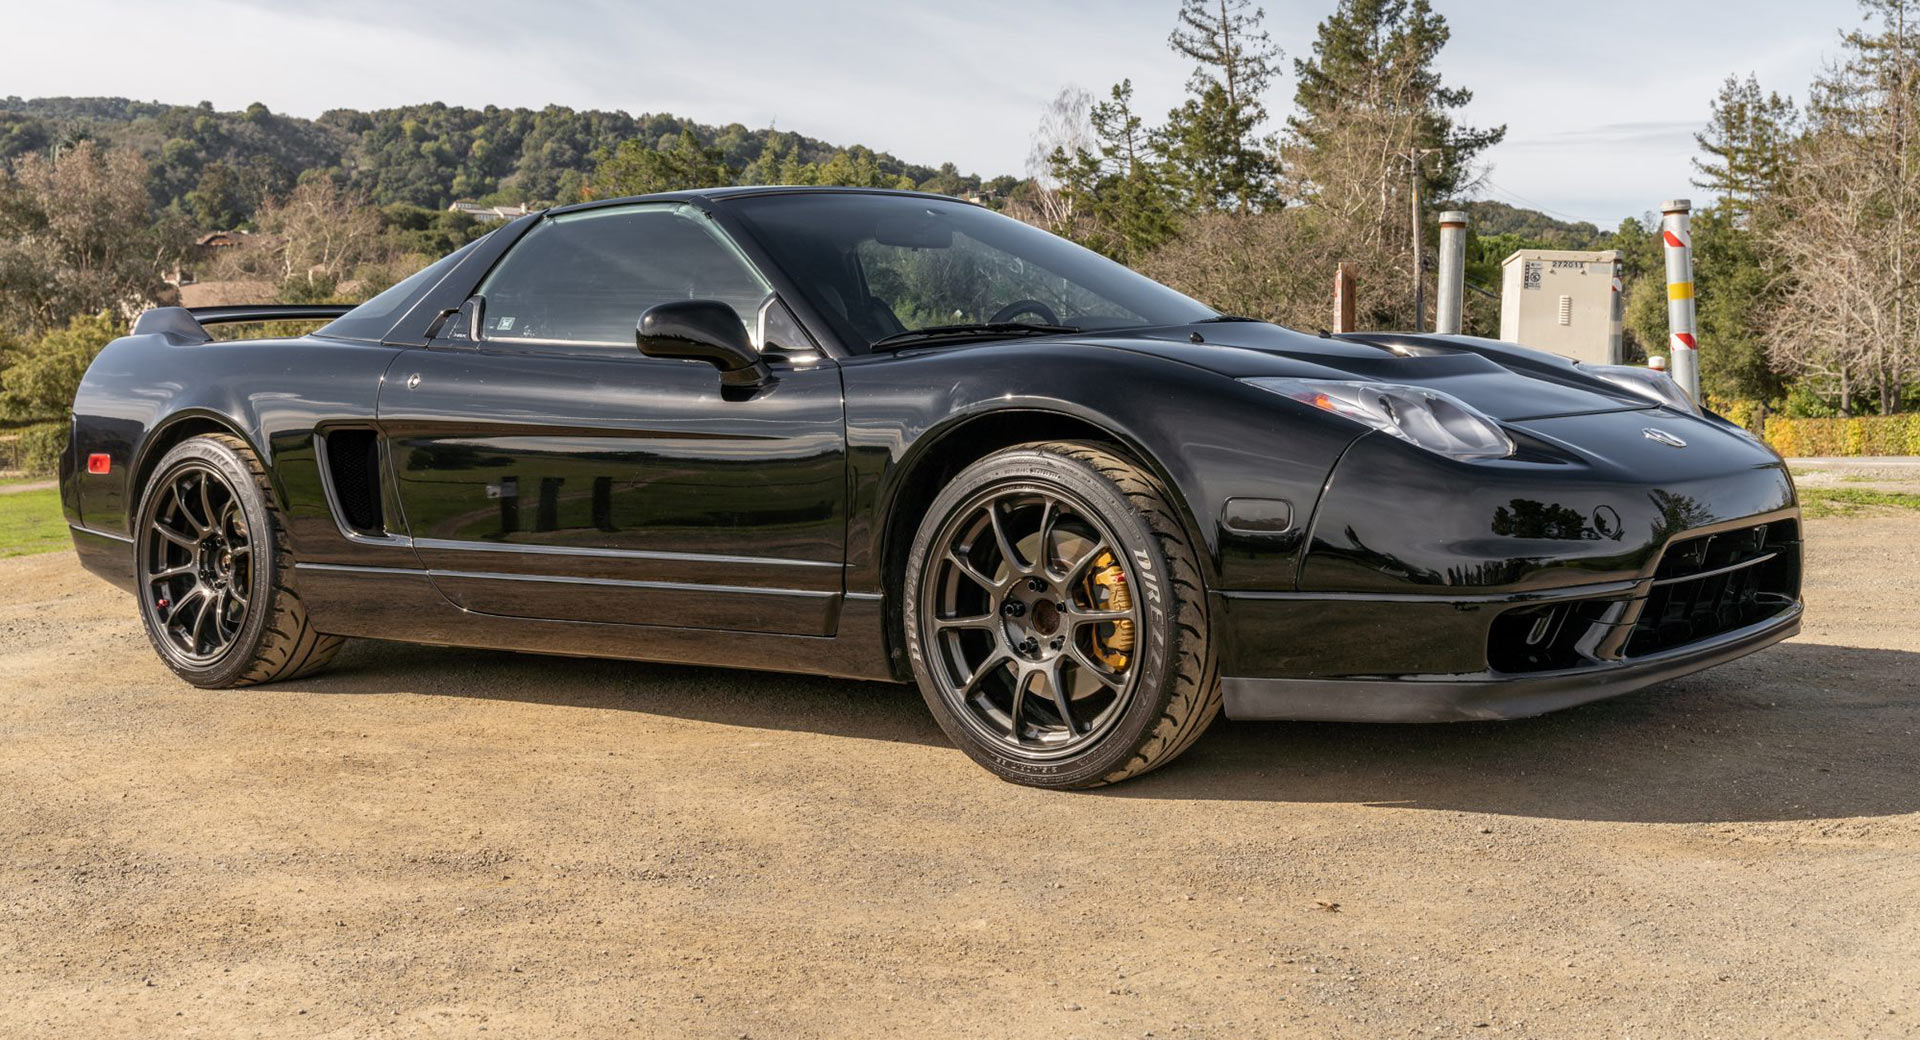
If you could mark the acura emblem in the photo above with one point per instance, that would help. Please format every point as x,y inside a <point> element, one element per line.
<point>1663,437</point>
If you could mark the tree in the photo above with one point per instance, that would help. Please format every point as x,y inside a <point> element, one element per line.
<point>40,379</point>
<point>1065,133</point>
<point>1135,199</point>
<point>216,200</point>
<point>1118,197</point>
<point>78,236</point>
<point>1372,114</point>
<point>1747,143</point>
<point>1372,74</point>
<point>321,235</point>
<point>1846,222</point>
<point>633,168</point>
<point>1213,139</point>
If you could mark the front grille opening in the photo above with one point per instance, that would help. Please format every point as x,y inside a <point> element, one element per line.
<point>1551,636</point>
<point>353,463</point>
<point>1716,583</point>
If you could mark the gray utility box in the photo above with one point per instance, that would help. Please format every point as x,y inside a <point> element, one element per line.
<point>1563,301</point>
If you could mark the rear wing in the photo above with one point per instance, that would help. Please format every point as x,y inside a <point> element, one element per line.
<point>189,324</point>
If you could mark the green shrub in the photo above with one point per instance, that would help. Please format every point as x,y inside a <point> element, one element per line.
<point>40,447</point>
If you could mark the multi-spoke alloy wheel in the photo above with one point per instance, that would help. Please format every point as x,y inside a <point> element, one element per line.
<point>1055,618</point>
<point>196,563</point>
<point>1033,621</point>
<point>213,577</point>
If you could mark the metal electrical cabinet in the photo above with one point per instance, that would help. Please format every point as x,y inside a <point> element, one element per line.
<point>1564,301</point>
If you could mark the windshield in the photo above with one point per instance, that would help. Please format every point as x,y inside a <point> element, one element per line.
<point>877,266</point>
<point>373,319</point>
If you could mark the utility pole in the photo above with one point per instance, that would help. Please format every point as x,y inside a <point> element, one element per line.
<point>1413,157</point>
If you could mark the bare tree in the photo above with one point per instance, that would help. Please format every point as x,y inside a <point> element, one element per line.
<point>77,236</point>
<point>1846,223</point>
<point>316,238</point>
<point>1065,131</point>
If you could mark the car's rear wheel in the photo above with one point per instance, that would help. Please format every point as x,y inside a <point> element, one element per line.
<point>1056,620</point>
<point>214,573</point>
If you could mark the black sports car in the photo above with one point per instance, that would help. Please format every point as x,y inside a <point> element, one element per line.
<point>893,436</point>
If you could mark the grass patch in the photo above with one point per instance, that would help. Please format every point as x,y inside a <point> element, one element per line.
<point>1819,502</point>
<point>31,522</point>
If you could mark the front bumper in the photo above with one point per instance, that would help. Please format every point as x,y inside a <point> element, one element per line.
<point>1488,697</point>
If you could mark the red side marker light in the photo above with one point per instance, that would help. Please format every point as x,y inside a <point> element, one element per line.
<point>99,462</point>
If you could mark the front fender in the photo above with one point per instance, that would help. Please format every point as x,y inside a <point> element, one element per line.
<point>1211,439</point>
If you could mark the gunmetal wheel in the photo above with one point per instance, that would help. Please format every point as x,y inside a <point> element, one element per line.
<point>213,574</point>
<point>196,563</point>
<point>1032,621</point>
<point>1055,618</point>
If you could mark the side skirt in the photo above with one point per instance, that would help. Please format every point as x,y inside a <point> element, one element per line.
<point>403,605</point>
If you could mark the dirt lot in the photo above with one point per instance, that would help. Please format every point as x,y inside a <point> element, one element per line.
<point>433,842</point>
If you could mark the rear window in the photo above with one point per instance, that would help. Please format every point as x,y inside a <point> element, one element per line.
<point>372,320</point>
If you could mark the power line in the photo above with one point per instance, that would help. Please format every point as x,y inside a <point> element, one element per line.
<point>1515,197</point>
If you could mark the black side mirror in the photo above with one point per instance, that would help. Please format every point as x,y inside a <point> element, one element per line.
<point>703,330</point>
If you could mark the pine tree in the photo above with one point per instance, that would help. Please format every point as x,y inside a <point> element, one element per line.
<point>1213,139</point>
<point>1135,200</point>
<point>1746,143</point>
<point>1372,72</point>
<point>1372,116</point>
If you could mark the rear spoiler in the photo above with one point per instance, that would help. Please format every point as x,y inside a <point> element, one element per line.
<point>189,324</point>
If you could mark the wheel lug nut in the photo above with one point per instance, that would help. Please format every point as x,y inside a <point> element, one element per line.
<point>1013,608</point>
<point>1036,585</point>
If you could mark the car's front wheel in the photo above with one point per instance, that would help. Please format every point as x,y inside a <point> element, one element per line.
<point>1056,620</point>
<point>214,573</point>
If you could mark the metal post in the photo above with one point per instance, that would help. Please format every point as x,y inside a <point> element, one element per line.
<point>1453,273</point>
<point>1343,301</point>
<point>1676,230</point>
<point>1419,254</point>
<point>1616,312</point>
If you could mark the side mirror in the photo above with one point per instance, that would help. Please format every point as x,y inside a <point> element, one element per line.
<point>703,330</point>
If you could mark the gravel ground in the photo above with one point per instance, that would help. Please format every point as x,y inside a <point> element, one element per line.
<point>430,842</point>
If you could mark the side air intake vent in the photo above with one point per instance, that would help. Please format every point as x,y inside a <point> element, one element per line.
<point>353,466</point>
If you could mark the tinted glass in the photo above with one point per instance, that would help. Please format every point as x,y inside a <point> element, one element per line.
<point>877,265</point>
<point>373,319</point>
<point>586,277</point>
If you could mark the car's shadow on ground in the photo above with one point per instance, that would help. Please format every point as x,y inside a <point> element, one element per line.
<point>1801,731</point>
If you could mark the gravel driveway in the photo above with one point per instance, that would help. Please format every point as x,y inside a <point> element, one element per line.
<point>430,842</point>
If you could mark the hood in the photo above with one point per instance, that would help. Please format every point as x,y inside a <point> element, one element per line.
<point>1505,381</point>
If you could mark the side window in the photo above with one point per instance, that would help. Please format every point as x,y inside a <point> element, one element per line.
<point>585,278</point>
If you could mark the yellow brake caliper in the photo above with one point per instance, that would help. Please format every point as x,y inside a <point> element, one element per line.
<point>1106,589</point>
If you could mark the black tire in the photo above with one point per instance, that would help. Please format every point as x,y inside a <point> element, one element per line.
<point>248,625</point>
<point>961,610</point>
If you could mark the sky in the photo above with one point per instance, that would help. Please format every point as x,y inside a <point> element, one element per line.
<point>1601,98</point>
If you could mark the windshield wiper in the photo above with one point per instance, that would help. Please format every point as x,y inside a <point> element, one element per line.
<point>985,329</point>
<point>1220,318</point>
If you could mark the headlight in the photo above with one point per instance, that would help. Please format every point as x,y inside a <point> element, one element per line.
<point>1657,387</point>
<point>1438,422</point>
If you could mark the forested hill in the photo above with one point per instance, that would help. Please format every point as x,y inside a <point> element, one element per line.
<point>217,166</point>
